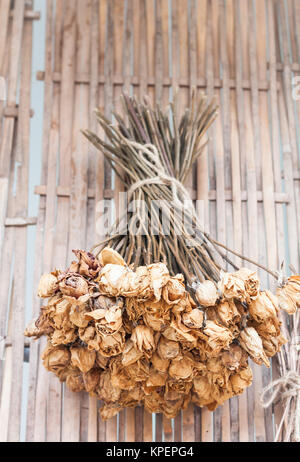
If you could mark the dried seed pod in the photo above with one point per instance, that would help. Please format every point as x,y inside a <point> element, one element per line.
<point>207,293</point>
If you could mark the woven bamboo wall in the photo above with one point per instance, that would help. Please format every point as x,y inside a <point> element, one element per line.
<point>246,53</point>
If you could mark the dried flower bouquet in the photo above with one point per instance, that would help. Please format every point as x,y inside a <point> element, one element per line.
<point>152,319</point>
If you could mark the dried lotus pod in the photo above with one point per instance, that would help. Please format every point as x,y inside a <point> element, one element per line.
<point>48,285</point>
<point>82,358</point>
<point>110,256</point>
<point>207,293</point>
<point>56,358</point>
<point>252,343</point>
<point>143,339</point>
<point>73,285</point>
<point>232,287</point>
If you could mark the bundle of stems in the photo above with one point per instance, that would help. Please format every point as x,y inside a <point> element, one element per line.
<point>153,152</point>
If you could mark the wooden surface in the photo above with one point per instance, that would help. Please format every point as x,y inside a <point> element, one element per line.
<point>247,54</point>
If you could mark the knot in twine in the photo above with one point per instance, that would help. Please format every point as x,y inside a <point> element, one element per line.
<point>285,388</point>
<point>152,159</point>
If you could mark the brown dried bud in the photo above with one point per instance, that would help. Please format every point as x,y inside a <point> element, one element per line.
<point>48,285</point>
<point>207,293</point>
<point>252,343</point>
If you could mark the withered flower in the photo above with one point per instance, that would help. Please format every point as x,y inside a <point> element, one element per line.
<point>91,379</point>
<point>87,265</point>
<point>75,382</point>
<point>241,380</point>
<point>252,343</point>
<point>109,410</point>
<point>131,354</point>
<point>193,319</point>
<point>264,307</point>
<point>143,339</point>
<point>62,337</point>
<point>56,358</point>
<point>73,285</point>
<point>251,281</point>
<point>234,358</point>
<point>83,358</point>
<point>160,364</point>
<point>218,337</point>
<point>207,293</point>
<point>112,345</point>
<point>181,369</point>
<point>107,322</point>
<point>289,295</point>
<point>48,285</point>
<point>167,349</point>
<point>231,286</point>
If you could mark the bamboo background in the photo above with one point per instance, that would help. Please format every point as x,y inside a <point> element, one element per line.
<point>246,53</point>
